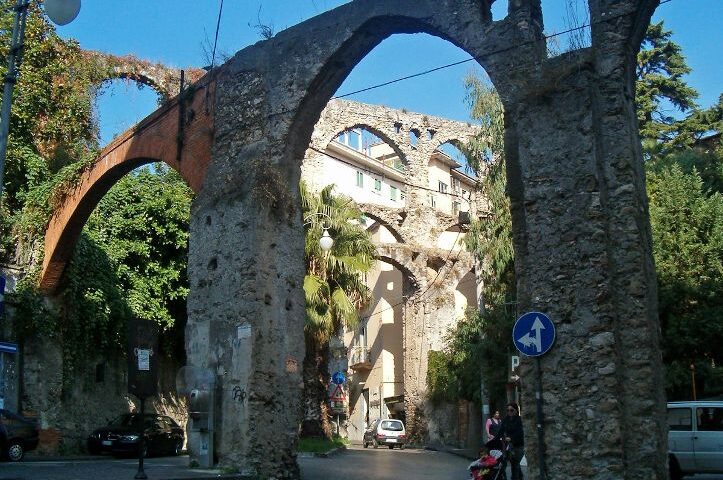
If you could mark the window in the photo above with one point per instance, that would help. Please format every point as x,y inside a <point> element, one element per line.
<point>393,193</point>
<point>378,185</point>
<point>442,187</point>
<point>359,179</point>
<point>455,185</point>
<point>456,207</point>
<point>431,201</point>
<point>679,419</point>
<point>710,419</point>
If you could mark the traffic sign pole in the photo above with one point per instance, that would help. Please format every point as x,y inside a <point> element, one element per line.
<point>540,417</point>
<point>533,335</point>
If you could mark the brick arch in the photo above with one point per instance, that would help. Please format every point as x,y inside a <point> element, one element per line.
<point>155,139</point>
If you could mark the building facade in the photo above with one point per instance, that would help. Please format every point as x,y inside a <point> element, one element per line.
<point>417,201</point>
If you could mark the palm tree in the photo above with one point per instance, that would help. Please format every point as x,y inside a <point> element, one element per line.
<point>335,291</point>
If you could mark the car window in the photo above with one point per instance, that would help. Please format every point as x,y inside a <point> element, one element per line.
<point>679,420</point>
<point>710,419</point>
<point>393,425</point>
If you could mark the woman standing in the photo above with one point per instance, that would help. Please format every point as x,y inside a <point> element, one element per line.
<point>492,427</point>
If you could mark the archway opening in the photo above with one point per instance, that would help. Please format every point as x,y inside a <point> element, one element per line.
<point>128,266</point>
<point>417,117</point>
<point>120,104</point>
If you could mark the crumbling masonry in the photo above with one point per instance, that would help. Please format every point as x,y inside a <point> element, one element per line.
<point>581,231</point>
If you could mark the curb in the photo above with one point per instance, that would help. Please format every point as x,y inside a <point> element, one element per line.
<point>331,453</point>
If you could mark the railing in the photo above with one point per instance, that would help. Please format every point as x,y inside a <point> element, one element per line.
<point>360,357</point>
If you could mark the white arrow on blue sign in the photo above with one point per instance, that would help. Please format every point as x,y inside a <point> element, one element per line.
<point>533,334</point>
<point>338,378</point>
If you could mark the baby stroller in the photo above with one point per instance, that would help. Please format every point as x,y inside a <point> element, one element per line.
<point>501,451</point>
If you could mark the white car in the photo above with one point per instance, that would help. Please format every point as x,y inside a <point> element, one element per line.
<point>695,438</point>
<point>388,432</point>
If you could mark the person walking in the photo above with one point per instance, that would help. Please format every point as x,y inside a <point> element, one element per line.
<point>511,431</point>
<point>492,427</point>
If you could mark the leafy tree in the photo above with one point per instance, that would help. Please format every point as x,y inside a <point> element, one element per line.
<point>142,225</point>
<point>687,225</point>
<point>478,345</point>
<point>334,288</point>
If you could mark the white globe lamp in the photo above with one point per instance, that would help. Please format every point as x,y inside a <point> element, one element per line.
<point>326,242</point>
<point>62,12</point>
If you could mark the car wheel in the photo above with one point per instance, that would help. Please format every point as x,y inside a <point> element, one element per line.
<point>15,452</point>
<point>675,471</point>
<point>391,447</point>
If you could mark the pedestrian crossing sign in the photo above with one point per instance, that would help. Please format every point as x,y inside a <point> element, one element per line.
<point>338,394</point>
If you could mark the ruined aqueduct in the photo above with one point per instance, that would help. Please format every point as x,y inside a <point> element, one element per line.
<point>581,232</point>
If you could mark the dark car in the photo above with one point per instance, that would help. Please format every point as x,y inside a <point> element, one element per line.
<point>123,436</point>
<point>17,435</point>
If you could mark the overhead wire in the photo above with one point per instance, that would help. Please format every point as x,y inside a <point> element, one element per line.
<point>142,127</point>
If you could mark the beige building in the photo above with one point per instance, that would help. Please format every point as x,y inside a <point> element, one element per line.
<point>394,165</point>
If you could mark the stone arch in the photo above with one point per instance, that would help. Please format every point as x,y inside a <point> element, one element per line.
<point>153,140</point>
<point>350,125</point>
<point>164,80</point>
<point>365,36</point>
<point>383,220</point>
<point>411,280</point>
<point>601,229</point>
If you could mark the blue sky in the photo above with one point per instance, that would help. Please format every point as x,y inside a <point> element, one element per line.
<point>174,31</point>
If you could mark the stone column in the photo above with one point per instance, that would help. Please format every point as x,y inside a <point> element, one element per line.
<point>246,306</point>
<point>583,256</point>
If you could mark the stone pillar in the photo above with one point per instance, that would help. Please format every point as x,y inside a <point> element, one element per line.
<point>246,269</point>
<point>583,256</point>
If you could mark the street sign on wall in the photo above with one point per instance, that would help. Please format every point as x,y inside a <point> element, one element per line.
<point>533,334</point>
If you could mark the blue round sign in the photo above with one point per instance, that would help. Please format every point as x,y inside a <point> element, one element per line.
<point>533,334</point>
<point>338,378</point>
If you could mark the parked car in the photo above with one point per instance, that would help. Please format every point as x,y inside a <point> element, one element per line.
<point>388,432</point>
<point>17,435</point>
<point>123,436</point>
<point>695,438</point>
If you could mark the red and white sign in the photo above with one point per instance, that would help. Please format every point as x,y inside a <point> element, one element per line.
<point>338,394</point>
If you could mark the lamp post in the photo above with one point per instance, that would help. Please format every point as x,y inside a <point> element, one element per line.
<point>60,12</point>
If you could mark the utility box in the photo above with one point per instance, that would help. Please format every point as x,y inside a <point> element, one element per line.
<point>198,386</point>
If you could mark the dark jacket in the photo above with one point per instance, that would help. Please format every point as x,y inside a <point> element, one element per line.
<point>512,427</point>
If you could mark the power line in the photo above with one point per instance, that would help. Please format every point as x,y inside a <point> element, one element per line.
<point>415,75</point>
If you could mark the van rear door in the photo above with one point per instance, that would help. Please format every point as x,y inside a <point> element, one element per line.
<point>709,439</point>
<point>681,436</point>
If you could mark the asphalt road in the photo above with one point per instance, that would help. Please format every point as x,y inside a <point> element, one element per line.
<point>353,464</point>
<point>383,464</point>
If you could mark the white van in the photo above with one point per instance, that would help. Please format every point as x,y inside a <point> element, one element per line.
<point>695,438</point>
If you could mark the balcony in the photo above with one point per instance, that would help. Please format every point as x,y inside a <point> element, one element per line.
<point>360,359</point>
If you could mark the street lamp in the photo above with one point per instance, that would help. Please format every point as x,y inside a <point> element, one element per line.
<point>325,242</point>
<point>60,12</point>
